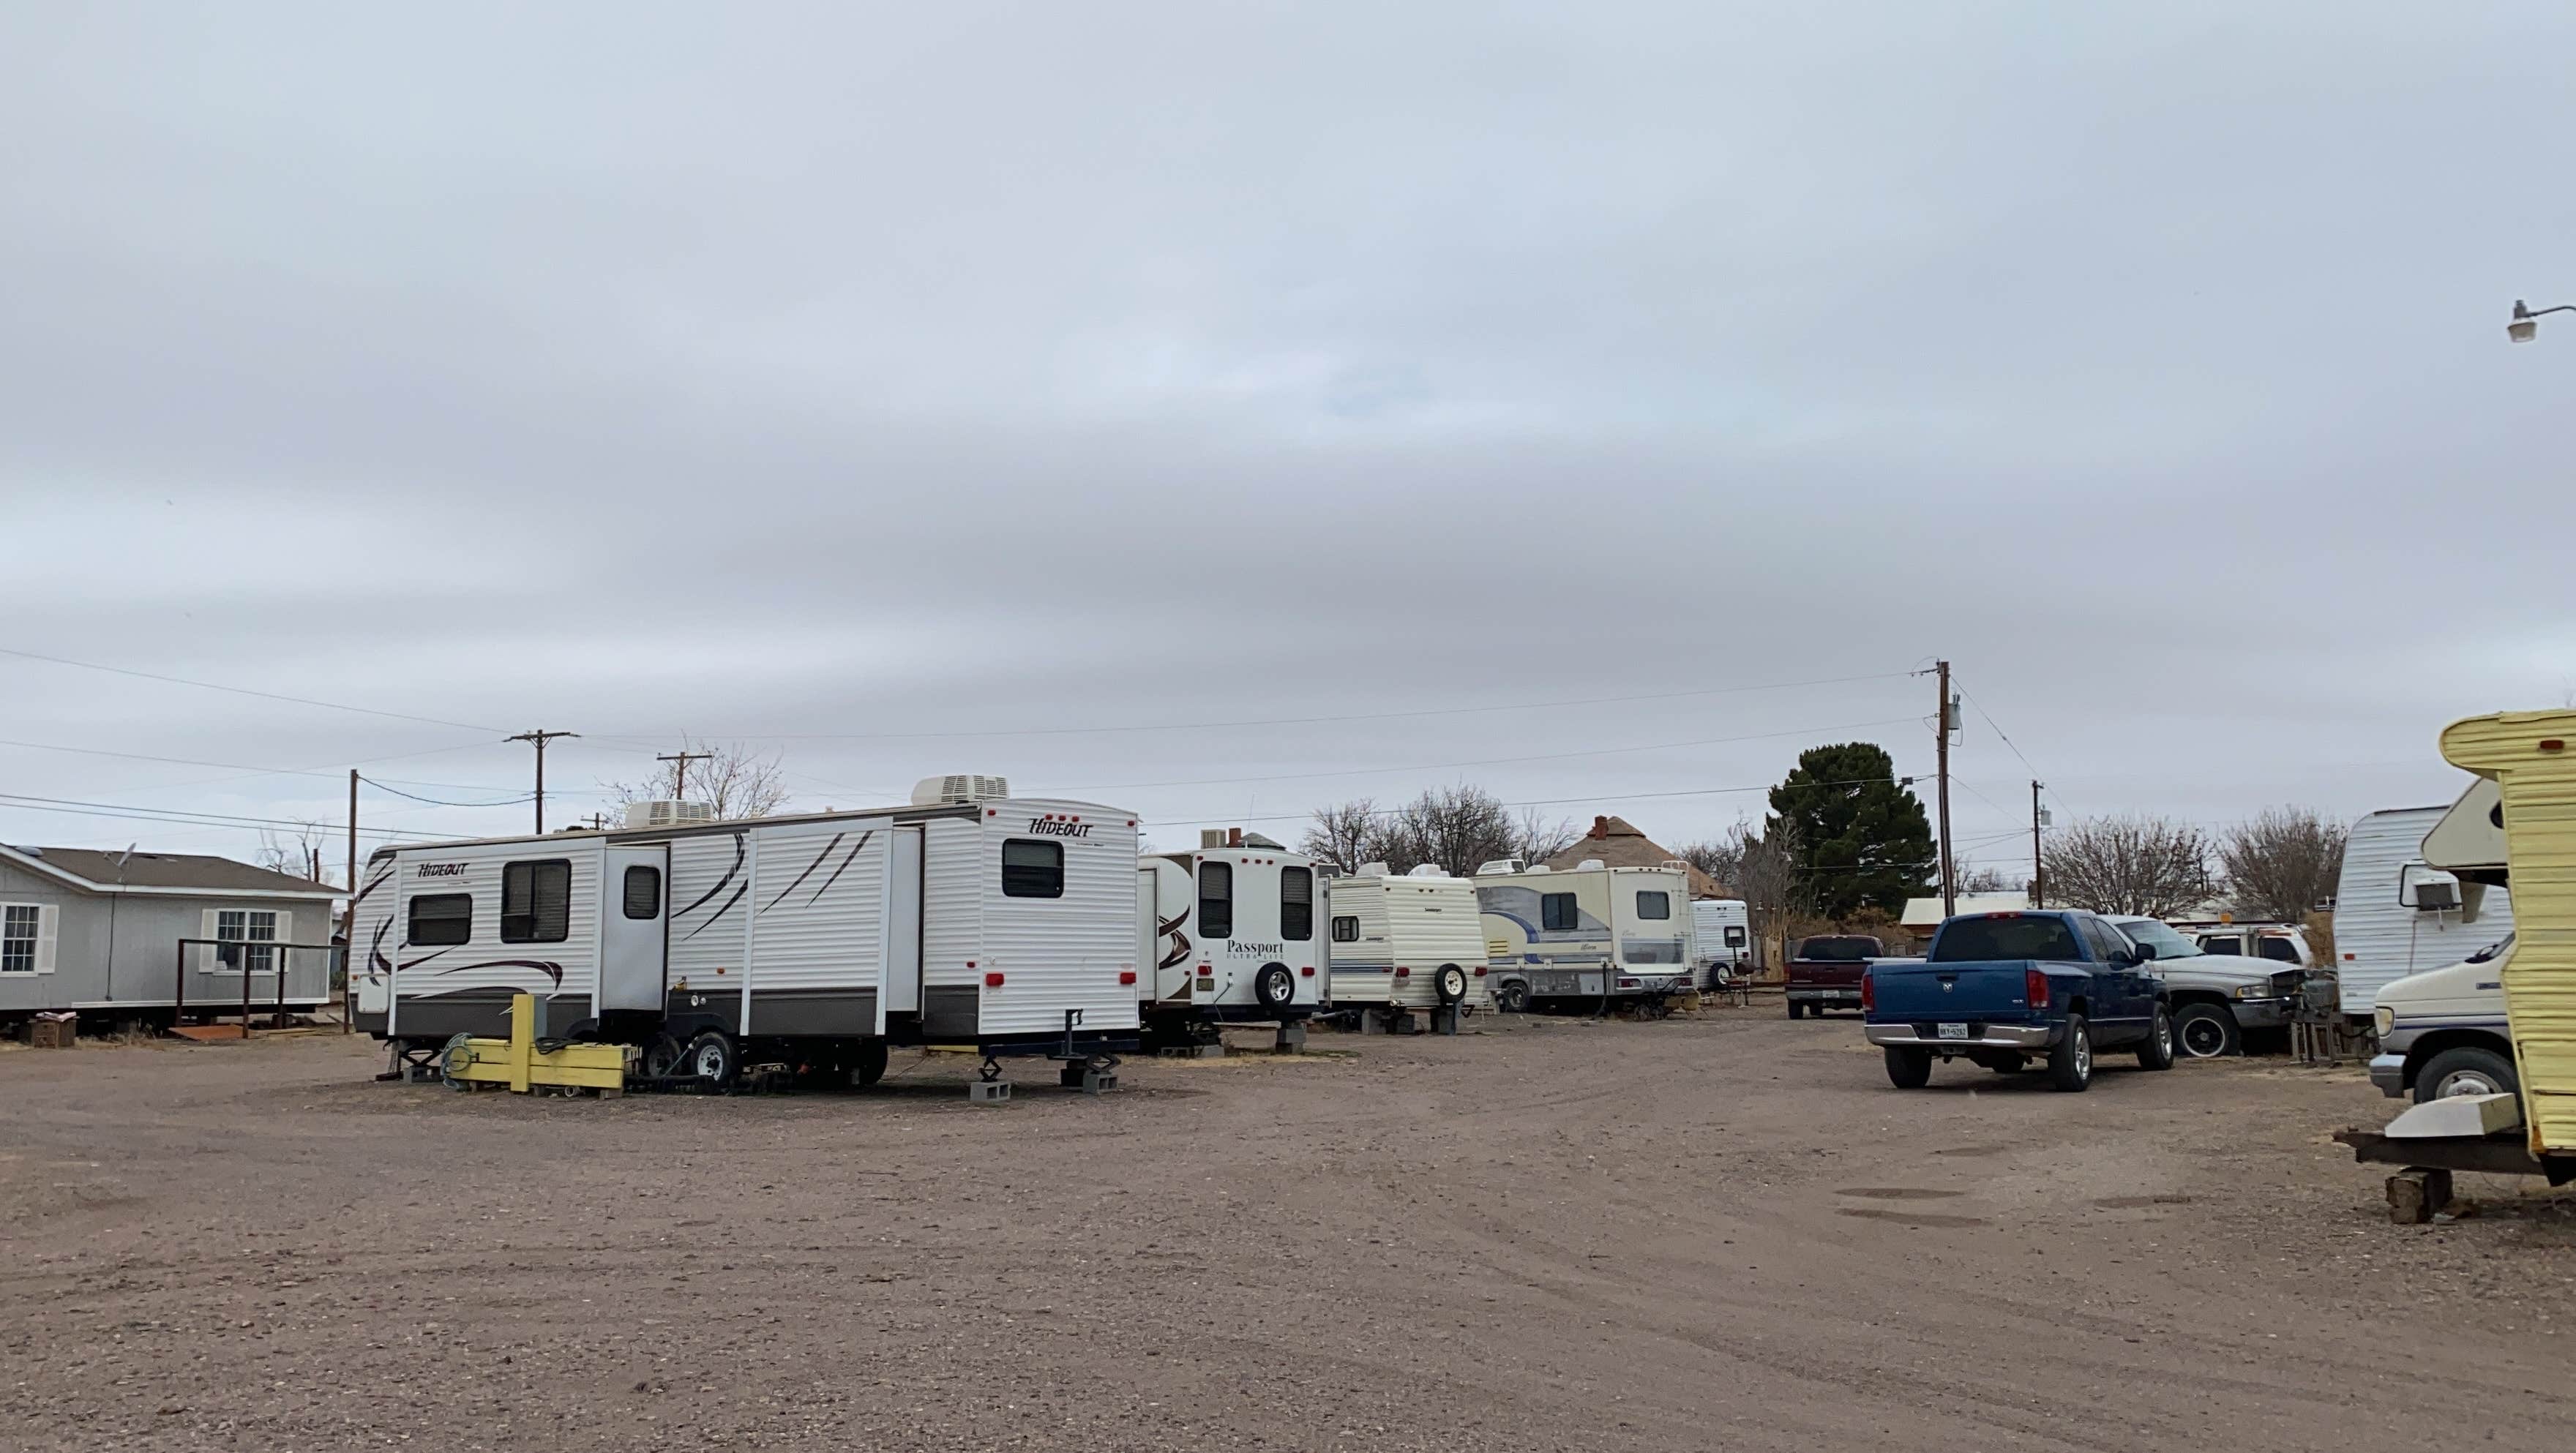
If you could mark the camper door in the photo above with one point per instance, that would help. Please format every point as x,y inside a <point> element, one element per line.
<point>634,927</point>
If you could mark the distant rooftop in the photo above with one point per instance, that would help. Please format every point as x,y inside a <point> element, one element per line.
<point>139,869</point>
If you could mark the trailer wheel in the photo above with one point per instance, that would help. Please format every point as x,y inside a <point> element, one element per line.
<point>1450,984</point>
<point>455,1057</point>
<point>712,1060</point>
<point>662,1057</point>
<point>872,1064</point>
<point>1512,998</point>
<point>1275,986</point>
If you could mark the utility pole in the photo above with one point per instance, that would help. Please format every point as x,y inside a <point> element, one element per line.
<point>2038,864</point>
<point>538,739</point>
<point>349,921</point>
<point>1943,720</point>
<point>680,761</point>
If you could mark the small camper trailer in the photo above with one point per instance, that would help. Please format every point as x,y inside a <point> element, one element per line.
<point>968,917</point>
<point>1408,942</point>
<point>1721,937</point>
<point>1589,932</point>
<point>1227,935</point>
<point>2396,914</point>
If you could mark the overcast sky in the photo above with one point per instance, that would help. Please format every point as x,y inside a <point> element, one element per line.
<point>901,387</point>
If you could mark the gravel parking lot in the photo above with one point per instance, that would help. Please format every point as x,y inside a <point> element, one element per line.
<point>1721,1231</point>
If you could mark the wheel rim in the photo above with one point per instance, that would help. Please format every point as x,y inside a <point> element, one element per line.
<point>2466,1082</point>
<point>2164,1035</point>
<point>2083,1055</point>
<point>1454,983</point>
<point>710,1061</point>
<point>2203,1037</point>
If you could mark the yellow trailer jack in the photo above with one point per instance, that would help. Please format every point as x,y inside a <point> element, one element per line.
<point>524,1061</point>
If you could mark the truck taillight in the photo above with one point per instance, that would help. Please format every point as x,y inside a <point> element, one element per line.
<point>1868,992</point>
<point>2034,988</point>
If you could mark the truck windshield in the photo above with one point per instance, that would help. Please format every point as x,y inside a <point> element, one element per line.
<point>2168,944</point>
<point>2019,936</point>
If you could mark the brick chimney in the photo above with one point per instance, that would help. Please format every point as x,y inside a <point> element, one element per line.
<point>1600,827</point>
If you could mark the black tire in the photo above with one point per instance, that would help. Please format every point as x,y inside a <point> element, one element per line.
<point>1275,986</point>
<point>1449,985</point>
<point>1797,1010</point>
<point>662,1057</point>
<point>458,1053</point>
<point>2206,1031</point>
<point>1512,998</point>
<point>2070,1060</point>
<point>1908,1069</point>
<point>870,1064</point>
<point>2156,1051</point>
<point>2001,1061</point>
<point>712,1060</point>
<point>2465,1070</point>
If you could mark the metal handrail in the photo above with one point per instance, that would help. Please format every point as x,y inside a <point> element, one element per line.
<point>179,986</point>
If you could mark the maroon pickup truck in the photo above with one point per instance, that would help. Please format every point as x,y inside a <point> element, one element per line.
<point>1826,970</point>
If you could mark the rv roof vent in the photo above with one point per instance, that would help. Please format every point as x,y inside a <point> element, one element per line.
<point>645,815</point>
<point>957,788</point>
<point>1374,870</point>
<point>1499,865</point>
<point>1211,837</point>
<point>1589,863</point>
<point>1538,868</point>
<point>1678,865</point>
<point>1428,870</point>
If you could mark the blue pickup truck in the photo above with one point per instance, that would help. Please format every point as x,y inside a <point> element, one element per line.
<point>2001,989</point>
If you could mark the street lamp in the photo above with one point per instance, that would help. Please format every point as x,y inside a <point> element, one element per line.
<point>2526,323</point>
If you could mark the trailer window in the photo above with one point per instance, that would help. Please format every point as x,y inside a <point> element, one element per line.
<point>1216,900</point>
<point>536,901</point>
<point>1346,929</point>
<point>1556,911</point>
<point>643,892</point>
<point>1654,905</point>
<point>1297,904</point>
<point>442,918</point>
<point>1032,869</point>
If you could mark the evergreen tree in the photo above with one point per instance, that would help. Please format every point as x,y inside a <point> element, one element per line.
<point>1862,839</point>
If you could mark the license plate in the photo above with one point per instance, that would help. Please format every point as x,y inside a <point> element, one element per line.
<point>1954,1031</point>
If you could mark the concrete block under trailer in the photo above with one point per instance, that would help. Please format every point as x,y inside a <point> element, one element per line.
<point>1007,924</point>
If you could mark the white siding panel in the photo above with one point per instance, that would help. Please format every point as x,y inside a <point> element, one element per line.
<point>569,968</point>
<point>2379,940</point>
<point>821,902</point>
<point>1360,967</point>
<point>952,901</point>
<point>1062,953</point>
<point>710,880</point>
<point>373,938</point>
<point>1431,922</point>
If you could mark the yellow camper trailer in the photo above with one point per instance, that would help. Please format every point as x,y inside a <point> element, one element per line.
<point>2532,757</point>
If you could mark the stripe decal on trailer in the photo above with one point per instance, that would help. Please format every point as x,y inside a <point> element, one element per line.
<point>714,917</point>
<point>720,882</point>
<point>836,872</point>
<point>809,872</point>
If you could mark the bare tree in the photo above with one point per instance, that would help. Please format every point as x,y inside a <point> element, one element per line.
<point>293,851</point>
<point>1984,880</point>
<point>2145,865</point>
<point>1535,839</point>
<point>2283,863</point>
<point>1345,834</point>
<point>736,780</point>
<point>1761,869</point>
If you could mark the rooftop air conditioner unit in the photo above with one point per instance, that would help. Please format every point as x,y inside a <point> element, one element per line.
<point>1374,870</point>
<point>1428,870</point>
<point>1499,866</point>
<point>1589,864</point>
<point>958,788</point>
<point>666,813</point>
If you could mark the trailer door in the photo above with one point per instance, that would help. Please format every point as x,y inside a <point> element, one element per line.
<point>903,925</point>
<point>634,918</point>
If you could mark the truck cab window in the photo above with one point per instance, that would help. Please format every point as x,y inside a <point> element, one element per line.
<point>1297,904</point>
<point>1032,869</point>
<point>1216,900</point>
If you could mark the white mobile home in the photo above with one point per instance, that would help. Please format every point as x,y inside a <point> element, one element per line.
<point>1403,943</point>
<point>1227,935</point>
<point>2396,914</point>
<point>965,918</point>
<point>99,933</point>
<point>1587,932</point>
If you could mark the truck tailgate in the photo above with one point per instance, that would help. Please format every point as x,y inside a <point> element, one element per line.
<point>1985,990</point>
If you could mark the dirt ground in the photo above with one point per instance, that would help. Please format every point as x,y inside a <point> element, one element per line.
<point>1720,1232</point>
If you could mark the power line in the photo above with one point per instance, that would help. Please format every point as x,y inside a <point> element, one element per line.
<point>246,691</point>
<point>191,819</point>
<point>437,802</point>
<point>241,766</point>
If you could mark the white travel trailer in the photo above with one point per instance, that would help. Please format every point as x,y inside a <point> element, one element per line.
<point>969,917</point>
<point>1406,943</point>
<point>1721,936</point>
<point>1588,932</point>
<point>1226,935</point>
<point>2396,914</point>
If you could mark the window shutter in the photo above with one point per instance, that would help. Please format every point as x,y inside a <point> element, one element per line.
<point>206,951</point>
<point>48,921</point>
<point>285,934</point>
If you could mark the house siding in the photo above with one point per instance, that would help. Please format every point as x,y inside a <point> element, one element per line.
<point>122,949</point>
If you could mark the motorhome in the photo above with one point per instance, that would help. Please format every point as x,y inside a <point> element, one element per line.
<point>968,917</point>
<point>1227,935</point>
<point>1405,942</point>
<point>2397,914</point>
<point>1586,933</point>
<point>1721,937</point>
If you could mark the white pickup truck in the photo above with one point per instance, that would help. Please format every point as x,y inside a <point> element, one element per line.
<point>2442,1032</point>
<point>2216,997</point>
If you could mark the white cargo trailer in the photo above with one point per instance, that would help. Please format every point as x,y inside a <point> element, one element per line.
<point>969,917</point>
<point>1227,935</point>
<point>2395,914</point>
<point>1721,937</point>
<point>1589,932</point>
<point>1402,943</point>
